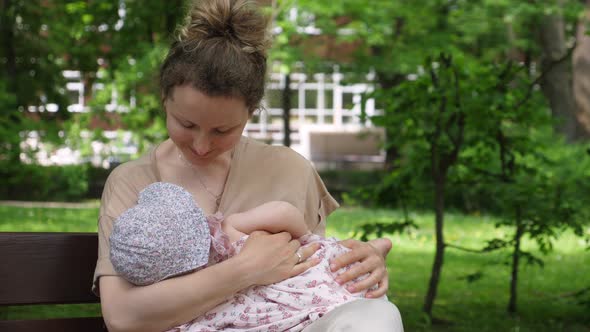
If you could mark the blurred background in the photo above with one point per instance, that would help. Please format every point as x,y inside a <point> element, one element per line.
<point>460,129</point>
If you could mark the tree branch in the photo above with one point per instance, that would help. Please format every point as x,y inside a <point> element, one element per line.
<point>475,251</point>
<point>538,80</point>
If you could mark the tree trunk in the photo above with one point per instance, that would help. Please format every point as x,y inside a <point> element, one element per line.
<point>557,83</point>
<point>170,18</point>
<point>11,147</point>
<point>150,35</point>
<point>286,98</point>
<point>7,30</point>
<point>440,245</point>
<point>388,81</point>
<point>391,152</point>
<point>581,75</point>
<point>515,261</point>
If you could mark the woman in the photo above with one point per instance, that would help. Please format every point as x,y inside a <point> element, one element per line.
<point>211,83</point>
<point>166,235</point>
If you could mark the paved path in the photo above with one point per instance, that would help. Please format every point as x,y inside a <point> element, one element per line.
<point>68,205</point>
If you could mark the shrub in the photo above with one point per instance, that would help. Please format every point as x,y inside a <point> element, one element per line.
<point>43,183</point>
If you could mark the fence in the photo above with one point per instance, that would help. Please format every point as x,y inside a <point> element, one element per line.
<point>325,119</point>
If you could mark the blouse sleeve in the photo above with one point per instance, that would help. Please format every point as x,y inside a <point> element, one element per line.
<point>318,203</point>
<point>120,193</point>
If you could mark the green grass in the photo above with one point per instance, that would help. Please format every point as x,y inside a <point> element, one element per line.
<point>17,219</point>
<point>476,306</point>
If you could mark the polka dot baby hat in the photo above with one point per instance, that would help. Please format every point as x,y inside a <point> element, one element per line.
<point>164,235</point>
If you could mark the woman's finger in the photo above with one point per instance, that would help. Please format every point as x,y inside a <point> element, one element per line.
<point>308,251</point>
<point>355,270</point>
<point>301,265</point>
<point>356,254</point>
<point>304,266</point>
<point>381,290</point>
<point>366,283</point>
<point>383,245</point>
<point>351,243</point>
<point>369,265</point>
<point>294,245</point>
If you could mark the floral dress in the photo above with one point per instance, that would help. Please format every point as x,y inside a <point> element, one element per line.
<point>289,305</point>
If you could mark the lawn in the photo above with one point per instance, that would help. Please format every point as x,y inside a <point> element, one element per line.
<point>477,306</point>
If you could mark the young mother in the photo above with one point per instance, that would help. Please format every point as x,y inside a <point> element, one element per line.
<point>212,81</point>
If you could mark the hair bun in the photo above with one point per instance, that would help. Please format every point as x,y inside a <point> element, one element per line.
<point>235,21</point>
<point>220,51</point>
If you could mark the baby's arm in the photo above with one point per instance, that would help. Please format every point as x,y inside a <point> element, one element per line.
<point>273,217</point>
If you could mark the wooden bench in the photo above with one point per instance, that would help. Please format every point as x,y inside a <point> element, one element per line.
<point>48,268</point>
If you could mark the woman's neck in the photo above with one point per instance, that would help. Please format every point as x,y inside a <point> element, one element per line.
<point>206,182</point>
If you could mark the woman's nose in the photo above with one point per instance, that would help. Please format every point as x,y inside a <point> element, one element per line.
<point>202,145</point>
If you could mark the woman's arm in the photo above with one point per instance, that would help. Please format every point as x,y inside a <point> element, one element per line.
<point>171,302</point>
<point>273,217</point>
<point>264,259</point>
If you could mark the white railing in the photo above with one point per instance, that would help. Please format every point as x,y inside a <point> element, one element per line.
<point>321,100</point>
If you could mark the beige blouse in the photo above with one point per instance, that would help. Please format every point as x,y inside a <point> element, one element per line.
<point>258,173</point>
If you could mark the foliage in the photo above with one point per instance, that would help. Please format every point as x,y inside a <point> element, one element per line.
<point>462,123</point>
<point>545,192</point>
<point>31,75</point>
<point>548,189</point>
<point>134,45</point>
<point>381,229</point>
<point>102,40</point>
<point>43,183</point>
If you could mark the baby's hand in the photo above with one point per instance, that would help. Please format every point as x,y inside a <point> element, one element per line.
<point>233,234</point>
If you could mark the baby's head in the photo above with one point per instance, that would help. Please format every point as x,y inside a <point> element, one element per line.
<point>163,236</point>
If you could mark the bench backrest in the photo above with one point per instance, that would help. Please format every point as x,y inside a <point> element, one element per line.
<point>48,268</point>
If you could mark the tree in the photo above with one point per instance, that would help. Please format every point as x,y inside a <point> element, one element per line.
<point>581,72</point>
<point>41,40</point>
<point>131,40</point>
<point>291,49</point>
<point>484,36</point>
<point>556,62</point>
<point>31,69</point>
<point>431,117</point>
<point>529,180</point>
<point>286,52</point>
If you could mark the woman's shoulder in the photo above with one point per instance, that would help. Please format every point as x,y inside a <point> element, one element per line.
<point>134,173</point>
<point>276,156</point>
<point>125,182</point>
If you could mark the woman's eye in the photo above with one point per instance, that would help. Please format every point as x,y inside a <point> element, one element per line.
<point>187,125</point>
<point>221,132</point>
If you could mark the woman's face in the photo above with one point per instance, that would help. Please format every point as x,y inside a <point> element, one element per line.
<point>204,127</point>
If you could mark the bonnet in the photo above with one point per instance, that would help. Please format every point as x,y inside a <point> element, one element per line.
<point>164,235</point>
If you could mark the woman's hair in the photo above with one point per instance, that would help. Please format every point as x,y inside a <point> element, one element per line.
<point>220,50</point>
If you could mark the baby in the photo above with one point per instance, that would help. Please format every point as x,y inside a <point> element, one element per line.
<point>167,235</point>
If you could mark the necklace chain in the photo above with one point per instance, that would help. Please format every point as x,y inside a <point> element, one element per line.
<point>217,197</point>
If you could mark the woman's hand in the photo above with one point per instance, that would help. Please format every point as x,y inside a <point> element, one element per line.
<point>370,257</point>
<point>273,257</point>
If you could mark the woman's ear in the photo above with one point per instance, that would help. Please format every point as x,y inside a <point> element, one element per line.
<point>251,112</point>
<point>164,101</point>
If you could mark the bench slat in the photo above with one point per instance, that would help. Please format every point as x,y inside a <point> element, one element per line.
<point>47,268</point>
<point>93,324</point>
